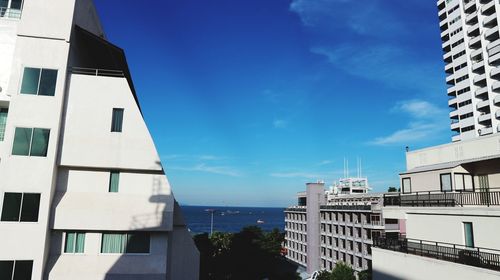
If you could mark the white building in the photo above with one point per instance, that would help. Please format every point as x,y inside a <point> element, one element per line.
<point>450,211</point>
<point>471,46</point>
<point>326,228</point>
<point>83,194</point>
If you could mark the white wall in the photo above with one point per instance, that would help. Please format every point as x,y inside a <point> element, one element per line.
<point>389,265</point>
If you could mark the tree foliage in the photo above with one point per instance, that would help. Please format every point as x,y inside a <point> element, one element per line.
<point>246,255</point>
<point>392,189</point>
<point>341,271</point>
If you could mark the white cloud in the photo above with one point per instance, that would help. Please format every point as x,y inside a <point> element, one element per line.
<point>202,167</point>
<point>298,175</point>
<point>426,122</point>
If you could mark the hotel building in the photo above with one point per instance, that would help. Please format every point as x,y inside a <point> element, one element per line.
<point>83,194</point>
<point>471,47</point>
<point>326,227</point>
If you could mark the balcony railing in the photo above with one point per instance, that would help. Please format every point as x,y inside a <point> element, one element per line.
<point>473,256</point>
<point>488,197</point>
<point>97,72</point>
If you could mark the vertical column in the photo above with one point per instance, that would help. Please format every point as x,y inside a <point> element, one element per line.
<point>315,193</point>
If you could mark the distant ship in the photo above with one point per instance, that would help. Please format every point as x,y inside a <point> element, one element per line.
<point>259,221</point>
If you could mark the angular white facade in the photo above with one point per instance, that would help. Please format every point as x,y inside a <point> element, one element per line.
<point>471,47</point>
<point>83,194</point>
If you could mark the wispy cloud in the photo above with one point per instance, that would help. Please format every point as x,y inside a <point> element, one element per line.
<point>219,170</point>
<point>426,122</point>
<point>279,123</point>
<point>298,175</point>
<point>325,162</point>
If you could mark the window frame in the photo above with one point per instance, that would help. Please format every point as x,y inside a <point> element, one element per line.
<point>441,181</point>
<point>125,248</point>
<point>30,147</point>
<point>464,226</point>
<point>403,189</point>
<point>13,270</point>
<point>65,239</point>
<point>39,79</point>
<point>462,175</point>
<point>21,208</point>
<point>117,172</point>
<point>113,124</point>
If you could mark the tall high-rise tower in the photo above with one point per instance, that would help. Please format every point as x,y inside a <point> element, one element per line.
<point>471,47</point>
<point>83,194</point>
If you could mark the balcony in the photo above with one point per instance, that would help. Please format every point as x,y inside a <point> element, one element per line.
<point>485,131</point>
<point>444,199</point>
<point>450,80</point>
<point>472,256</point>
<point>497,114</point>
<point>475,42</point>
<point>495,72</point>
<point>455,126</point>
<point>472,18</point>
<point>476,53</point>
<point>490,20</point>
<point>472,30</point>
<point>478,66</point>
<point>488,9</point>
<point>482,104</point>
<point>484,118</point>
<point>496,100</point>
<point>455,138</point>
<point>481,91</point>
<point>449,68</point>
<point>491,34</point>
<point>479,79</point>
<point>495,86</point>
<point>454,114</point>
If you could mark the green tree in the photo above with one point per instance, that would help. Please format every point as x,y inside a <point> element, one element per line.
<point>324,275</point>
<point>392,189</point>
<point>365,275</point>
<point>342,271</point>
<point>221,241</point>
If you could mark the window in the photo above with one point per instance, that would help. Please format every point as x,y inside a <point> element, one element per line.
<point>16,270</point>
<point>38,81</point>
<point>468,234</point>
<point>3,122</point>
<point>129,243</point>
<point>20,207</point>
<point>117,120</point>
<point>75,242</point>
<point>445,182</point>
<point>114,178</point>
<point>406,182</point>
<point>463,182</point>
<point>31,142</point>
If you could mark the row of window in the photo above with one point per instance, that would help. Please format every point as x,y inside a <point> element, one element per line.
<point>111,243</point>
<point>346,217</point>
<point>297,236</point>
<point>296,216</point>
<point>464,77</point>
<point>464,90</point>
<point>463,182</point>
<point>467,128</point>
<point>466,116</point>
<point>453,9</point>
<point>456,31</point>
<point>457,55</point>
<point>456,44</point>
<point>466,102</point>
<point>296,226</point>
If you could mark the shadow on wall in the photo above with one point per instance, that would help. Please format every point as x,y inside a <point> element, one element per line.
<point>379,275</point>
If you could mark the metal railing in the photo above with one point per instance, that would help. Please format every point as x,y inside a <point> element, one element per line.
<point>346,207</point>
<point>473,256</point>
<point>488,197</point>
<point>10,13</point>
<point>97,72</point>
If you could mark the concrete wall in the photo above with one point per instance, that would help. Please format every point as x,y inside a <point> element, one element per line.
<point>389,265</point>
<point>463,150</point>
<point>94,265</point>
<point>315,196</point>
<point>430,180</point>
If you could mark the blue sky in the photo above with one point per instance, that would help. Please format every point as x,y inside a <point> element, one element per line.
<point>249,100</point>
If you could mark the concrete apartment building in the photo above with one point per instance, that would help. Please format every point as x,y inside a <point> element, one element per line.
<point>471,46</point>
<point>83,194</point>
<point>325,228</point>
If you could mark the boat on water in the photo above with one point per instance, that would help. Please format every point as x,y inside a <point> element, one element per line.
<point>259,221</point>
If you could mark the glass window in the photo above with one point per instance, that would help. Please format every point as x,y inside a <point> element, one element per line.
<point>133,243</point>
<point>22,139</point>
<point>16,270</point>
<point>31,142</point>
<point>3,122</point>
<point>468,183</point>
<point>406,185</point>
<point>38,81</point>
<point>20,207</point>
<point>446,182</point>
<point>40,142</point>
<point>31,77</point>
<point>11,207</point>
<point>16,4</point>
<point>117,120</point>
<point>114,179</point>
<point>75,242</point>
<point>469,234</point>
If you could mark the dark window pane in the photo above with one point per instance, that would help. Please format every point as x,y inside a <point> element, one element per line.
<point>69,247</point>
<point>31,203</point>
<point>16,4</point>
<point>6,269</point>
<point>3,122</point>
<point>40,142</point>
<point>22,270</point>
<point>138,243</point>
<point>11,207</point>
<point>30,80</point>
<point>117,120</point>
<point>48,82</point>
<point>22,139</point>
<point>114,179</point>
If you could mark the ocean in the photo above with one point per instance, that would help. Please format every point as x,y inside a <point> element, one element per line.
<point>233,219</point>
